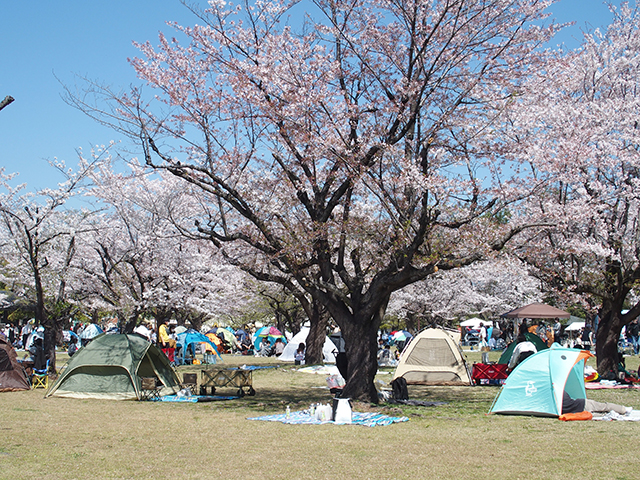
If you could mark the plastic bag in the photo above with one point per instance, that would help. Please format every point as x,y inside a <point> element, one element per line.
<point>341,410</point>
<point>323,413</point>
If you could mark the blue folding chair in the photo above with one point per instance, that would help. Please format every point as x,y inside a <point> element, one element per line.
<point>40,378</point>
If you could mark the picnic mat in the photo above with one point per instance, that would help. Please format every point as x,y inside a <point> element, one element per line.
<point>253,367</point>
<point>371,419</point>
<point>320,370</point>
<point>193,398</point>
<point>606,385</point>
<point>633,416</point>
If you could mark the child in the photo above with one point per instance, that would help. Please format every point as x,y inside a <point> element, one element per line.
<point>299,356</point>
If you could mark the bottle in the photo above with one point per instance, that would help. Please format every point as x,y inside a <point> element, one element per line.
<point>288,412</point>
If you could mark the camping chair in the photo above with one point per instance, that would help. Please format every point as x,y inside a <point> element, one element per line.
<point>149,389</point>
<point>40,377</point>
<point>190,382</point>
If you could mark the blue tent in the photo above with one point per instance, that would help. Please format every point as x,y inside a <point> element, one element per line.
<point>189,337</point>
<point>536,386</point>
<point>89,332</point>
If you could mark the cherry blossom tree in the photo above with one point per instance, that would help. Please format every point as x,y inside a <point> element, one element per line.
<point>486,289</point>
<point>348,150</point>
<point>139,263</point>
<point>39,234</point>
<point>580,130</point>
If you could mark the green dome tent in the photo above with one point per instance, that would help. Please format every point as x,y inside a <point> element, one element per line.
<point>112,366</point>
<point>532,337</point>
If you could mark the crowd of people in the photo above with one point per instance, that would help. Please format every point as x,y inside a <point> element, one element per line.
<point>494,335</point>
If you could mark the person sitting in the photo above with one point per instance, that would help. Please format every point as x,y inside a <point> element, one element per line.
<point>244,345</point>
<point>265,348</point>
<point>37,354</point>
<point>385,358</point>
<point>577,405</point>
<point>73,348</point>
<point>278,348</point>
<point>523,350</point>
<point>223,346</point>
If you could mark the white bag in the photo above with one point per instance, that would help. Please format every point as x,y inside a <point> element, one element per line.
<point>342,412</point>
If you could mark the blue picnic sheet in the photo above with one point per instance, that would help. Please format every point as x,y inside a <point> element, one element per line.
<point>253,367</point>
<point>371,419</point>
<point>193,398</point>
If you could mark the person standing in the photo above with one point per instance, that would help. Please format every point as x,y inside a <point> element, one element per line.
<point>557,328</point>
<point>587,337</point>
<point>25,332</point>
<point>484,346</point>
<point>483,335</point>
<point>164,339</point>
<point>11,334</point>
<point>163,335</point>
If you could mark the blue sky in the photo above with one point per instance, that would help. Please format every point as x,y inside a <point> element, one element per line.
<point>43,43</point>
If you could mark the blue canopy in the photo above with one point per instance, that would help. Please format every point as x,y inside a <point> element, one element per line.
<point>90,331</point>
<point>184,339</point>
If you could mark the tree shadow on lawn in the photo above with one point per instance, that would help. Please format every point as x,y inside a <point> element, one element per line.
<point>275,390</point>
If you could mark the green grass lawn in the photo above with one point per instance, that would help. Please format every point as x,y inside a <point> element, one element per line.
<point>76,439</point>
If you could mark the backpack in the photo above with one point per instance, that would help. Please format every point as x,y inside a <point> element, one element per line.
<point>400,391</point>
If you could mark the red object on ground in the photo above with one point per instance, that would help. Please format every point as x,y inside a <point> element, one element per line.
<point>170,353</point>
<point>489,373</point>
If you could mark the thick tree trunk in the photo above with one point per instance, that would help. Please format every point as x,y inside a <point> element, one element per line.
<point>52,331</point>
<point>317,335</point>
<point>607,337</point>
<point>50,326</point>
<point>361,348</point>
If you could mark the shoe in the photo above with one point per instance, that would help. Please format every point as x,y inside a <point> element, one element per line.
<point>628,410</point>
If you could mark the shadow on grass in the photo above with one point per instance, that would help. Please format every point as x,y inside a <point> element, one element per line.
<point>284,385</point>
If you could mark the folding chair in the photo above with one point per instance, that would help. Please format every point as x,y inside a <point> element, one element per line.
<point>40,378</point>
<point>149,389</point>
<point>190,381</point>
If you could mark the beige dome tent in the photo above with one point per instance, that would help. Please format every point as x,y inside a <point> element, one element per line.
<point>433,357</point>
